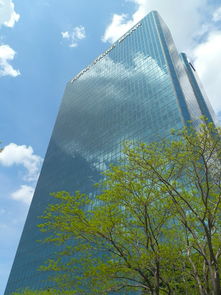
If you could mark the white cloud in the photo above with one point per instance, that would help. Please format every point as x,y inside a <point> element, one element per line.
<point>7,54</point>
<point>175,13</point>
<point>65,35</point>
<point>24,194</point>
<point>217,15</point>
<point>119,25</point>
<point>14,154</point>
<point>207,57</point>
<point>8,16</point>
<point>78,33</point>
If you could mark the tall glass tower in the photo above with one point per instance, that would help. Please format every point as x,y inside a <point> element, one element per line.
<point>138,89</point>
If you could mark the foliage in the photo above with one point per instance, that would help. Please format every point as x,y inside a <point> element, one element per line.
<point>155,227</point>
<point>44,292</point>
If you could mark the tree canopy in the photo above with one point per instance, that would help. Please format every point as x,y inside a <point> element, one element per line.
<point>44,292</point>
<point>153,228</point>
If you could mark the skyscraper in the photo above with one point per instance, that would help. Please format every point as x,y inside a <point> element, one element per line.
<point>138,89</point>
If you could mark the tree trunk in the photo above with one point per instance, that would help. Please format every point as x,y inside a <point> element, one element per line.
<point>213,264</point>
<point>216,281</point>
<point>157,279</point>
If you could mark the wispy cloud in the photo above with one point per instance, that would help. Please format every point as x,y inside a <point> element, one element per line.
<point>74,36</point>
<point>217,15</point>
<point>23,155</point>
<point>8,16</point>
<point>23,194</point>
<point>7,54</point>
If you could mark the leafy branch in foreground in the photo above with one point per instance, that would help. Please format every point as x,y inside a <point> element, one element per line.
<point>155,227</point>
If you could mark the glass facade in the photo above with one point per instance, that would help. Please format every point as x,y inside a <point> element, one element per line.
<point>201,97</point>
<point>139,89</point>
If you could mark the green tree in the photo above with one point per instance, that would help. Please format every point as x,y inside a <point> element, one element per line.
<point>44,292</point>
<point>154,228</point>
<point>188,173</point>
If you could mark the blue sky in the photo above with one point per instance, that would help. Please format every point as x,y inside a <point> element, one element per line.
<point>43,44</point>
